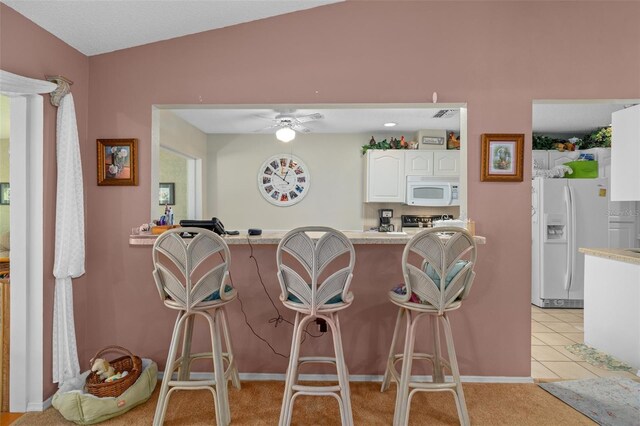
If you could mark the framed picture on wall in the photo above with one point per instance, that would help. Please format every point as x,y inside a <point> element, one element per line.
<point>117,162</point>
<point>166,196</point>
<point>5,193</point>
<point>502,157</point>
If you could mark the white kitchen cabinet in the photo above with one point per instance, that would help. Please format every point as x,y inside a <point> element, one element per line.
<point>603,157</point>
<point>541,158</point>
<point>446,163</point>
<point>622,235</point>
<point>557,158</point>
<point>386,171</point>
<point>611,314</point>
<point>418,163</point>
<point>625,154</point>
<point>622,224</point>
<point>622,211</point>
<point>432,163</point>
<point>385,177</point>
<point>548,159</point>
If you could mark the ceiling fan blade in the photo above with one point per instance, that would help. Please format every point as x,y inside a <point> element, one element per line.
<point>309,117</point>
<point>265,116</point>
<point>300,128</point>
<point>273,126</point>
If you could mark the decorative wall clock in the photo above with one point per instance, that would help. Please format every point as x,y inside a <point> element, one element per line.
<point>283,180</point>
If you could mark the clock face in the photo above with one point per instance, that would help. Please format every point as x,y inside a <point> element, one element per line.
<point>283,180</point>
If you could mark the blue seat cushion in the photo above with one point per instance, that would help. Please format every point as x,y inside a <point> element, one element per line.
<point>216,294</point>
<point>334,299</point>
<point>431,272</point>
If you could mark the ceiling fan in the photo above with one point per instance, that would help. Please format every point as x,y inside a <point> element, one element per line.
<point>287,123</point>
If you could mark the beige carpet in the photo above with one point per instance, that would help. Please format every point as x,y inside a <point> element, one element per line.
<point>258,403</point>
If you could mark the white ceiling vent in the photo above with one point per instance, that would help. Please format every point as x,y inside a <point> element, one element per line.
<point>445,113</point>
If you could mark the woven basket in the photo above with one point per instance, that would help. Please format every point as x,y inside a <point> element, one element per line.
<point>129,362</point>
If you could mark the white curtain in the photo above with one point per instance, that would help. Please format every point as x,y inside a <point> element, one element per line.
<point>13,84</point>
<point>69,244</point>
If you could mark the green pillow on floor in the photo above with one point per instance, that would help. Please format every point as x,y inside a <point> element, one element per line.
<point>86,409</point>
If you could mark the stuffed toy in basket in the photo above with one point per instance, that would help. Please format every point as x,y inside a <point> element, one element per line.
<point>115,377</point>
<point>88,401</point>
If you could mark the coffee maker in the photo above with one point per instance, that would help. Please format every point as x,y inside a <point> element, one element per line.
<point>385,220</point>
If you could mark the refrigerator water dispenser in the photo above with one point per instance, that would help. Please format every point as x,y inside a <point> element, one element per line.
<point>555,228</point>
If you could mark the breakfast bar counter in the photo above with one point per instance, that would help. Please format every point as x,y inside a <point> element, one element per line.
<point>274,237</point>
<point>261,327</point>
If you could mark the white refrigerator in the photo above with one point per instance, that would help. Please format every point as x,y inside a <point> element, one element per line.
<point>566,214</point>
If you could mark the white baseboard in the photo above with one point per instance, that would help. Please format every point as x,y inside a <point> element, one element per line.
<point>39,406</point>
<point>359,378</point>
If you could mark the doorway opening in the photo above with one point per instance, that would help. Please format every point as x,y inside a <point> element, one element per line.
<point>26,114</point>
<point>571,208</point>
<point>180,184</point>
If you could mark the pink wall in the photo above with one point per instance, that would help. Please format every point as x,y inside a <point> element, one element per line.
<point>496,56</point>
<point>28,50</point>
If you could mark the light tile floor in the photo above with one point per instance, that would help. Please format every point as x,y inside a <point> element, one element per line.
<point>551,331</point>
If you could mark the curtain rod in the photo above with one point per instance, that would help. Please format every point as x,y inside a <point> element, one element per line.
<point>64,87</point>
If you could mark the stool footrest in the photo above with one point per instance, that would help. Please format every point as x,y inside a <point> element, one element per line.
<point>191,383</point>
<point>432,386</point>
<point>417,355</point>
<point>316,389</point>
<point>316,359</point>
<point>201,355</point>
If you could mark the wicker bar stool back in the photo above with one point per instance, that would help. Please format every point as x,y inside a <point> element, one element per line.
<point>326,257</point>
<point>437,265</point>
<point>191,275</point>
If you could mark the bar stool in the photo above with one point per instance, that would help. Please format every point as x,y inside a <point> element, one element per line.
<point>311,300</point>
<point>191,276</point>
<point>444,255</point>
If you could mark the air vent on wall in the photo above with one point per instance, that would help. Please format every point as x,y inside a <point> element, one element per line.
<point>445,113</point>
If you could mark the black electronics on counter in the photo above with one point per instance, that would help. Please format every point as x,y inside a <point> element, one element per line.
<point>212,225</point>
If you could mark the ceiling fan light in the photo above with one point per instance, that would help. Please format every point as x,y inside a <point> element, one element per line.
<point>286,134</point>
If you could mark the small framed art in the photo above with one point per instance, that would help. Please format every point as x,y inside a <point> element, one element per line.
<point>166,196</point>
<point>118,162</point>
<point>502,157</point>
<point>432,140</point>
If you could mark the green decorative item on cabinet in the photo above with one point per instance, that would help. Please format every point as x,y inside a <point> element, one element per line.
<point>600,138</point>
<point>582,169</point>
<point>544,142</point>
<point>392,144</point>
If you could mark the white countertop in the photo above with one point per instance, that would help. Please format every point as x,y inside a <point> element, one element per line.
<point>622,255</point>
<point>274,237</point>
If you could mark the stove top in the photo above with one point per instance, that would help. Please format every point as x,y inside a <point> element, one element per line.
<point>418,221</point>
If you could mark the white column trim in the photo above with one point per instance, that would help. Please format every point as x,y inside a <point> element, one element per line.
<point>26,177</point>
<point>27,249</point>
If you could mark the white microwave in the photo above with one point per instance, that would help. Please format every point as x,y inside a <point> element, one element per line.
<point>430,191</point>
